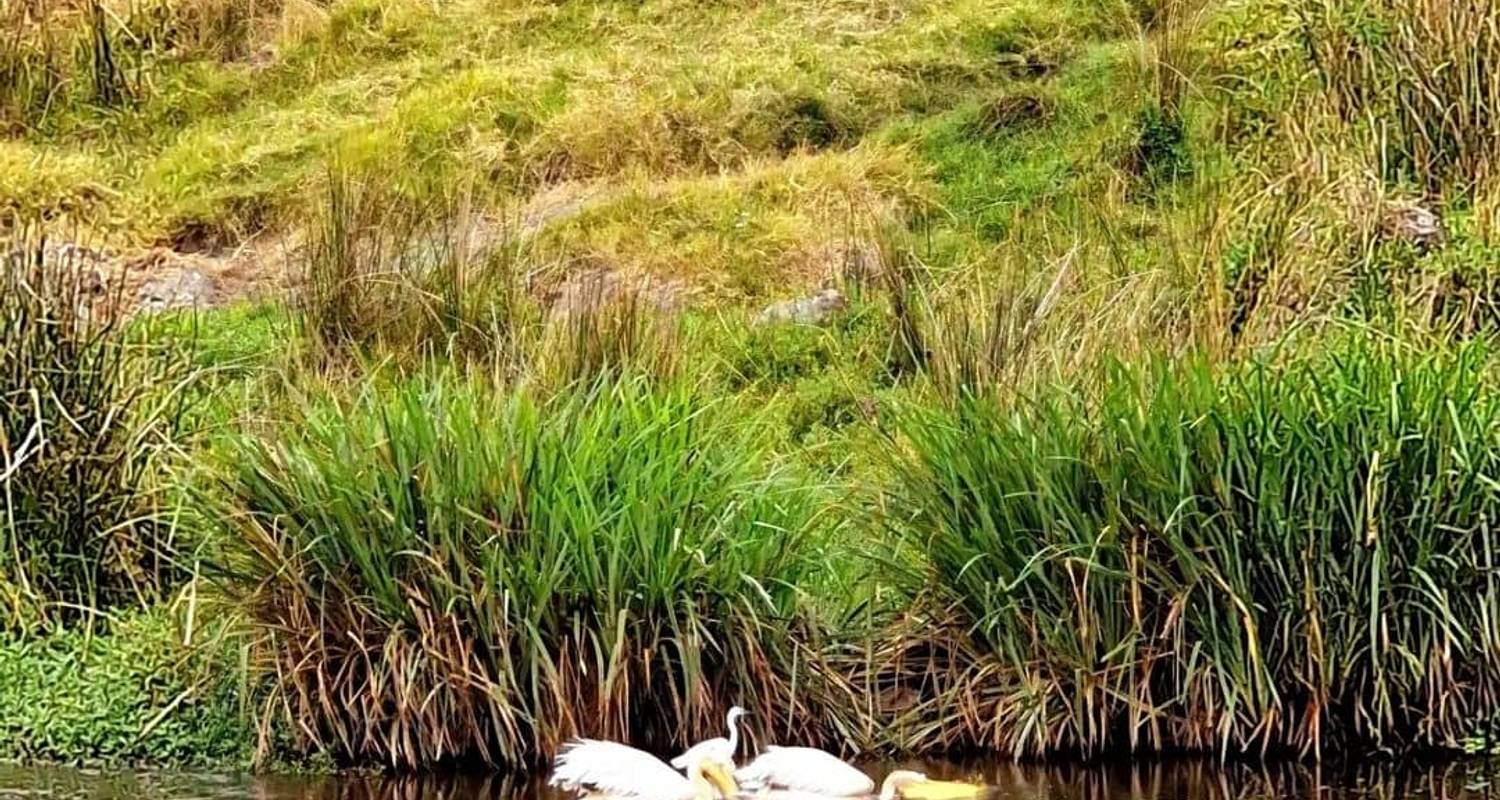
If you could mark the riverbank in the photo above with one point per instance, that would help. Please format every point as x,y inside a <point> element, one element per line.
<point>555,556</point>
<point>980,376</point>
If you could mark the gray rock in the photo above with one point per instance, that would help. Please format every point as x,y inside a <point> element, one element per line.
<point>813,310</point>
<point>590,290</point>
<point>1414,225</point>
<point>186,288</point>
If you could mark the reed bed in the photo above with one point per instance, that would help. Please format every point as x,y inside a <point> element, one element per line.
<point>1293,554</point>
<point>1418,78</point>
<point>53,56</point>
<point>412,279</point>
<point>62,57</point>
<point>445,571</point>
<point>90,412</point>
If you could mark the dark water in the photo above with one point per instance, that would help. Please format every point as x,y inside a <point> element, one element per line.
<point>1469,780</point>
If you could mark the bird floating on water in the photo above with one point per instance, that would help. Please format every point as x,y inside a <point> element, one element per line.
<point>804,769</point>
<point>917,786</point>
<point>598,770</point>
<point>806,773</point>
<point>720,749</point>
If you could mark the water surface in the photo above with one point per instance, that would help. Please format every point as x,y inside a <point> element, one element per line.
<point>1469,780</point>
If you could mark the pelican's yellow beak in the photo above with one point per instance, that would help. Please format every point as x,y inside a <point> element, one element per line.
<point>721,779</point>
<point>941,790</point>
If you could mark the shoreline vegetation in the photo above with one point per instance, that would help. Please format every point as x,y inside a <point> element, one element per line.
<point>1152,412</point>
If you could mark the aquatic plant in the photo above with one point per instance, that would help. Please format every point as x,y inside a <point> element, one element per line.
<point>1285,554</point>
<point>144,688</point>
<point>441,570</point>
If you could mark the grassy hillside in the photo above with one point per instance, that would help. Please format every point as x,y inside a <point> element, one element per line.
<point>737,147</point>
<point>1152,414</point>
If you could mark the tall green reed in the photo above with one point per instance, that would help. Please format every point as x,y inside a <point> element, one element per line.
<point>446,571</point>
<point>1292,554</point>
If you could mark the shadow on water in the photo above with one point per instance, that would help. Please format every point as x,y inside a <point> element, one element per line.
<point>1467,780</point>
<point>62,783</point>
<point>1208,780</point>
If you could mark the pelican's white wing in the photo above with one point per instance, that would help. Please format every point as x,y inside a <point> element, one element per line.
<point>715,749</point>
<point>804,769</point>
<point>615,769</point>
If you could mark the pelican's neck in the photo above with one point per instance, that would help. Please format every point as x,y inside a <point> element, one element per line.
<point>891,787</point>
<point>733,721</point>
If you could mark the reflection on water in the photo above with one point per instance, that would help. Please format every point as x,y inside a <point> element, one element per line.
<point>1181,781</point>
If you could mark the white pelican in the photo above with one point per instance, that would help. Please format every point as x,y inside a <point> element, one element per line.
<point>804,770</point>
<point>721,749</point>
<point>909,785</point>
<point>609,771</point>
<point>806,773</point>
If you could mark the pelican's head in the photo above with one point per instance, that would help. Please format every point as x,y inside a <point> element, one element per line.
<point>716,775</point>
<point>894,783</point>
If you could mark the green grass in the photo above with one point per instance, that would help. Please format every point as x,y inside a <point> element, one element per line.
<point>730,128</point>
<point>233,342</point>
